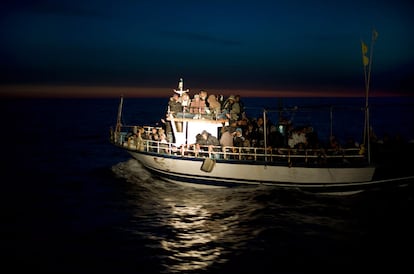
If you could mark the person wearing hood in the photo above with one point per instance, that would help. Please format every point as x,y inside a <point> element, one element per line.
<point>232,108</point>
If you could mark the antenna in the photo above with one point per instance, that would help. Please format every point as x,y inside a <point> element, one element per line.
<point>181,90</point>
<point>367,62</point>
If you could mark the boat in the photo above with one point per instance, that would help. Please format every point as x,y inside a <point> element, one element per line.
<point>179,159</point>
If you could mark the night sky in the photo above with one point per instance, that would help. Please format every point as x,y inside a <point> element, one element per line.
<point>287,46</point>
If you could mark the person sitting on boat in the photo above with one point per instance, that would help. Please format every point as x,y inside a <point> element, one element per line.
<point>174,105</point>
<point>226,140</point>
<point>249,133</point>
<point>154,139</point>
<point>203,97</point>
<point>206,140</point>
<point>215,107</point>
<point>163,144</point>
<point>185,104</point>
<point>238,138</point>
<point>197,106</point>
<point>136,141</point>
<point>139,140</point>
<point>297,139</point>
<point>239,142</point>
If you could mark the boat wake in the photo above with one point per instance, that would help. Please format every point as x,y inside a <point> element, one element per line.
<point>132,171</point>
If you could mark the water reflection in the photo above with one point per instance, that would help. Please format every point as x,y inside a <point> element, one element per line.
<point>206,226</point>
<point>192,247</point>
<point>194,228</point>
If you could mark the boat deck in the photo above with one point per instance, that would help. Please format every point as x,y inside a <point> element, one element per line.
<point>275,156</point>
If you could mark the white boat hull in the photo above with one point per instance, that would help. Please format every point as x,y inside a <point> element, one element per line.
<point>225,173</point>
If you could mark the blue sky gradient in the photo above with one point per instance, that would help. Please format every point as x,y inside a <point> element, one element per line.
<point>272,45</point>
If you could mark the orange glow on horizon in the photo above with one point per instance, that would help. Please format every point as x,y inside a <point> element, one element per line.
<point>68,91</point>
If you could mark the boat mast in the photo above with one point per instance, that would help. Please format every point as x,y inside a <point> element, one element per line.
<point>118,119</point>
<point>367,62</point>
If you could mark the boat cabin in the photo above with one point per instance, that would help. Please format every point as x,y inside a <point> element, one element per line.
<point>185,130</point>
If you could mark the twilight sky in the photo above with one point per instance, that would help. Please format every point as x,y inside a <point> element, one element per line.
<point>307,46</point>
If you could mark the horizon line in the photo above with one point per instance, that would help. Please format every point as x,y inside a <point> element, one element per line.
<point>105,91</point>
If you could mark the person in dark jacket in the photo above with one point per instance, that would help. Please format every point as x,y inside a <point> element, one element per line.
<point>174,105</point>
<point>206,140</point>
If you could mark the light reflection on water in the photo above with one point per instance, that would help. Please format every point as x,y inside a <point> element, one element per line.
<point>190,247</point>
<point>205,228</point>
<point>195,228</point>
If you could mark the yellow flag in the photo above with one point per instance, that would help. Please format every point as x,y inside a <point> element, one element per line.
<point>365,60</point>
<point>364,48</point>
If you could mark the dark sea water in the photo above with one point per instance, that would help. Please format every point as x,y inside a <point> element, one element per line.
<point>72,203</point>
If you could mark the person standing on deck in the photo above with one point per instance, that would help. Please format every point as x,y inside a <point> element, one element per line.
<point>214,106</point>
<point>232,108</point>
<point>174,107</point>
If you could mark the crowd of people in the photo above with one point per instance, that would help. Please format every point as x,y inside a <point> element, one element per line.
<point>239,132</point>
<point>240,129</point>
<point>205,106</point>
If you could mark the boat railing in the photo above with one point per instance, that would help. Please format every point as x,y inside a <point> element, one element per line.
<point>282,154</point>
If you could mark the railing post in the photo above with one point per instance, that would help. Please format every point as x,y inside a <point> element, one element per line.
<point>265,133</point>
